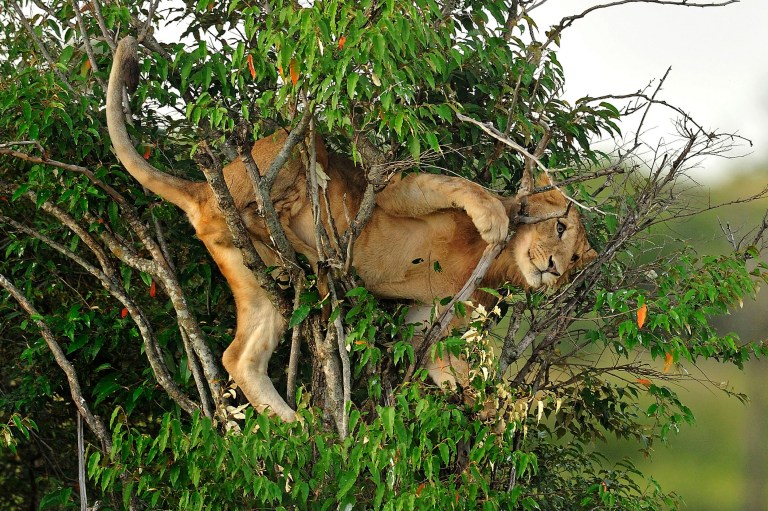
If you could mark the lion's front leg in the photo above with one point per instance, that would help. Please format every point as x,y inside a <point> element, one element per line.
<point>421,194</point>
<point>446,370</point>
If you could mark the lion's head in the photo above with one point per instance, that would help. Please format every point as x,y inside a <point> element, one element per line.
<point>545,252</point>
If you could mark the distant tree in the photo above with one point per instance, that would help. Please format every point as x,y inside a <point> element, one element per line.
<point>112,315</point>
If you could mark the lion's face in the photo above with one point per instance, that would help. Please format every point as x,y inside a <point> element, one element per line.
<point>547,251</point>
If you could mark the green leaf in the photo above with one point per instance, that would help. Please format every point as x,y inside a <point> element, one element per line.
<point>387,414</point>
<point>380,47</point>
<point>414,146</point>
<point>356,292</point>
<point>351,83</point>
<point>445,453</point>
<point>299,315</point>
<point>56,499</point>
<point>346,482</point>
<point>66,54</point>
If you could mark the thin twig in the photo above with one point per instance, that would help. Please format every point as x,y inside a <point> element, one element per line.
<point>262,187</point>
<point>651,102</point>
<point>566,22</point>
<point>81,464</point>
<point>87,44</point>
<point>493,132</point>
<point>147,28</point>
<point>42,49</point>
<point>103,25</point>
<point>109,281</point>
<point>293,359</point>
<point>445,318</point>
<point>240,238</point>
<point>157,266</point>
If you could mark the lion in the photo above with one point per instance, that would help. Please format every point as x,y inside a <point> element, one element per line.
<point>419,219</point>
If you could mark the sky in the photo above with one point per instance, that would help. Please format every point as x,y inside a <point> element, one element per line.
<point>718,59</point>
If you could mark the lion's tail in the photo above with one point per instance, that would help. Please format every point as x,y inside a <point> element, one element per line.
<point>125,71</point>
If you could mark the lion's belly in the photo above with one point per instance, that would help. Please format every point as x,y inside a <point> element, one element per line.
<point>411,258</point>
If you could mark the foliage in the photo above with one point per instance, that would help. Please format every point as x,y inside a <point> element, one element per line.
<point>124,290</point>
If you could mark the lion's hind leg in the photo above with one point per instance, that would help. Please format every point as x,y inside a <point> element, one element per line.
<point>259,329</point>
<point>246,360</point>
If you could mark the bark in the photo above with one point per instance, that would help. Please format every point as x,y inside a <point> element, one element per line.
<point>328,375</point>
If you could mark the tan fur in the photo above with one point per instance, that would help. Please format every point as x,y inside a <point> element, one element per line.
<point>418,220</point>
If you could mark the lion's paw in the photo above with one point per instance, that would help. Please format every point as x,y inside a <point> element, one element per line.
<point>491,220</point>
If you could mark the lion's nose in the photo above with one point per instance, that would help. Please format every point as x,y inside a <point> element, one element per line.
<point>552,269</point>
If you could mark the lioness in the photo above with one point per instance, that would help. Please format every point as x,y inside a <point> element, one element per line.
<point>418,220</point>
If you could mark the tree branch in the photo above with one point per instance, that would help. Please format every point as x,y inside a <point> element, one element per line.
<point>41,48</point>
<point>240,238</point>
<point>566,22</point>
<point>87,44</point>
<point>108,280</point>
<point>94,422</point>
<point>262,188</point>
<point>160,269</point>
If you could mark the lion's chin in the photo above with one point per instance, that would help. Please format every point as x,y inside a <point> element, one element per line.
<point>536,279</point>
<point>533,276</point>
<point>548,280</point>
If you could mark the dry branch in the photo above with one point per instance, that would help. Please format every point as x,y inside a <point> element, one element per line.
<point>87,44</point>
<point>566,22</point>
<point>109,280</point>
<point>42,49</point>
<point>158,266</point>
<point>94,423</point>
<point>226,204</point>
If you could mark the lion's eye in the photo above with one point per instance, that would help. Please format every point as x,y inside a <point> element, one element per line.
<point>560,228</point>
<point>574,258</point>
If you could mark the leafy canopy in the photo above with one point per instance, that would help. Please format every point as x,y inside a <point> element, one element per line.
<point>90,250</point>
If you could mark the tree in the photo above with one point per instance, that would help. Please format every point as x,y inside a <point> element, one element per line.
<point>103,281</point>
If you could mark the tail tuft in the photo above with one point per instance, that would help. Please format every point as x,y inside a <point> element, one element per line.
<point>128,62</point>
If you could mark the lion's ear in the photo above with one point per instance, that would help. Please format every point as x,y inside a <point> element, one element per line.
<point>511,206</point>
<point>587,257</point>
<point>543,180</point>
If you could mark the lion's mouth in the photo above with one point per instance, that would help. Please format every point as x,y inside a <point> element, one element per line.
<point>540,278</point>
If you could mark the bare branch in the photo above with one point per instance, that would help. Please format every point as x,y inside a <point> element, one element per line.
<point>108,279</point>
<point>569,20</point>
<point>147,28</point>
<point>96,4</point>
<point>325,359</point>
<point>81,479</point>
<point>213,173</point>
<point>296,136</point>
<point>444,320</point>
<point>95,423</point>
<point>262,188</point>
<point>651,101</point>
<point>511,351</point>
<point>293,359</point>
<point>493,132</point>
<point>160,269</point>
<point>647,101</point>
